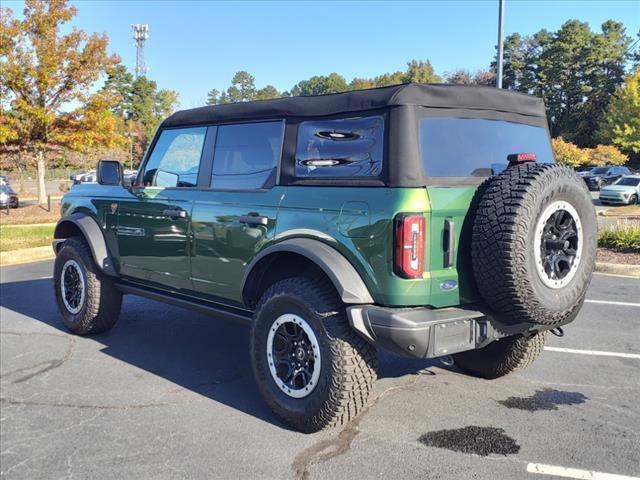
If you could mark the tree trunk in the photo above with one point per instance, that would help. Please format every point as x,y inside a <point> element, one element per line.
<point>42,188</point>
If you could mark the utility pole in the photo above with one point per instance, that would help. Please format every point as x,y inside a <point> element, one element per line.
<point>140,34</point>
<point>500,46</point>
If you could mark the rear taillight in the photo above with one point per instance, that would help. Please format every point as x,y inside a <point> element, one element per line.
<point>408,259</point>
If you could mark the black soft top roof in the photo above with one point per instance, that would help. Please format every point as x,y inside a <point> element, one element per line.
<point>433,96</point>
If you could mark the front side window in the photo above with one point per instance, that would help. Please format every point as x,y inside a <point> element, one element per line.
<point>247,155</point>
<point>476,147</point>
<point>175,159</point>
<point>347,147</point>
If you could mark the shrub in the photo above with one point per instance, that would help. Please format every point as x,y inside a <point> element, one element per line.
<point>607,155</point>
<point>569,154</point>
<point>621,236</point>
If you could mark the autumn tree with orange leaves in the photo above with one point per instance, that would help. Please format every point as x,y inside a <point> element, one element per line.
<point>46,81</point>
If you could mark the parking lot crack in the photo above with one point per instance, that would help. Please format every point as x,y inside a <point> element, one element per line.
<point>9,401</point>
<point>46,366</point>
<point>328,449</point>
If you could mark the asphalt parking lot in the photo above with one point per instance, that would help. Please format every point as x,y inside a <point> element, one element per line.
<point>170,394</point>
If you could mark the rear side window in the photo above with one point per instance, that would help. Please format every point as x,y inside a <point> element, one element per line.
<point>247,155</point>
<point>474,147</point>
<point>349,147</point>
<point>175,159</point>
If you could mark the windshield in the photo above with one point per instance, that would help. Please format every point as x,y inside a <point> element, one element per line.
<point>599,171</point>
<point>477,147</point>
<point>6,189</point>
<point>628,182</point>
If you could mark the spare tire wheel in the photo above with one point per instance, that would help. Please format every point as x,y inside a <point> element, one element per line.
<point>534,244</point>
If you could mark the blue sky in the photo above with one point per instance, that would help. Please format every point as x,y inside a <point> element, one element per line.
<point>197,45</point>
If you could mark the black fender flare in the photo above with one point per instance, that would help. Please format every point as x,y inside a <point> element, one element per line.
<point>92,234</point>
<point>343,275</point>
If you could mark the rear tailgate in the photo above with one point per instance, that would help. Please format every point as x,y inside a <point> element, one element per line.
<point>450,226</point>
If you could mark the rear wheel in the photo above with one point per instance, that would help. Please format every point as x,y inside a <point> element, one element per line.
<point>501,357</point>
<point>311,368</point>
<point>87,299</point>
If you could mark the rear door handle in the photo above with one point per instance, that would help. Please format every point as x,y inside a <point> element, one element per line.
<point>173,213</point>
<point>253,218</point>
<point>449,242</point>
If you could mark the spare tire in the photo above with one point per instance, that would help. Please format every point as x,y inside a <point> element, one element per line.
<point>534,244</point>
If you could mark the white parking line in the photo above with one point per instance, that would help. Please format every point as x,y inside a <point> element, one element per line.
<point>574,473</point>
<point>608,302</point>
<point>594,352</point>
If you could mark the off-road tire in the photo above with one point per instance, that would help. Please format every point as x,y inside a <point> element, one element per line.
<point>349,363</point>
<point>503,256</point>
<point>501,357</point>
<point>102,301</point>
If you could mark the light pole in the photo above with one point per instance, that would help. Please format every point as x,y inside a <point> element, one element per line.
<point>500,47</point>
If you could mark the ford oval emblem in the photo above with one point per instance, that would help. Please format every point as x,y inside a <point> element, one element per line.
<point>448,285</point>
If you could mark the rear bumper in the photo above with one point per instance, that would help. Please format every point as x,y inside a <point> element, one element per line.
<point>423,332</point>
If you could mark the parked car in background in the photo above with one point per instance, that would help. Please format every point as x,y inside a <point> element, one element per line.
<point>602,176</point>
<point>87,176</point>
<point>8,196</point>
<point>129,176</point>
<point>625,190</point>
<point>584,170</point>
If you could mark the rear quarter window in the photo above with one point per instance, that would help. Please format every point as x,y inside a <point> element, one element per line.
<point>475,147</point>
<point>348,147</point>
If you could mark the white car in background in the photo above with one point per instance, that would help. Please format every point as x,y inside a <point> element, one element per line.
<point>84,177</point>
<point>625,190</point>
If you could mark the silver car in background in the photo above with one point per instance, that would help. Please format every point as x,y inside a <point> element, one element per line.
<point>625,191</point>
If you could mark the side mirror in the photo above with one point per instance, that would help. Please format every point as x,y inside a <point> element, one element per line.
<point>109,172</point>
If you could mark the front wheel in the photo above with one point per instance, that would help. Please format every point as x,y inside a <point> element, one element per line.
<point>87,299</point>
<point>633,200</point>
<point>502,357</point>
<point>312,368</point>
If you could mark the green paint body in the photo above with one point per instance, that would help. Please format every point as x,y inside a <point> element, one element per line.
<point>206,254</point>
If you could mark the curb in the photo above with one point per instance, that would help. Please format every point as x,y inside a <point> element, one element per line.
<point>26,255</point>
<point>17,225</point>
<point>618,269</point>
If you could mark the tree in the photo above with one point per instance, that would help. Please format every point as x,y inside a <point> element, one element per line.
<point>267,93</point>
<point>46,81</point>
<point>576,71</point>
<point>420,72</point>
<point>212,97</point>
<point>395,78</point>
<point>606,155</point>
<point>621,123</point>
<point>485,77</point>
<point>320,85</point>
<point>458,77</point>
<point>166,103</point>
<point>569,154</point>
<point>148,108</point>
<point>119,84</point>
<point>515,62</point>
<point>242,87</point>
<point>361,84</point>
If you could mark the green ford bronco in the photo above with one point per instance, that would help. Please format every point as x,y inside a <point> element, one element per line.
<point>424,220</point>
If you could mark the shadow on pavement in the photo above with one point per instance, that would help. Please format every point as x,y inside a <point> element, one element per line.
<point>192,350</point>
